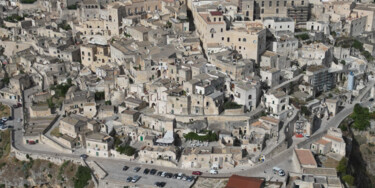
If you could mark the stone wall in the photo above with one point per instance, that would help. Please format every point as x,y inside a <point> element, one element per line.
<point>58,159</point>
<point>46,140</point>
<point>234,111</point>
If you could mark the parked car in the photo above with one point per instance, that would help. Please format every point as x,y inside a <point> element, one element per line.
<point>184,178</point>
<point>153,171</point>
<point>159,173</point>
<point>175,176</point>
<point>17,105</point>
<point>197,173</point>
<point>83,156</point>
<point>10,118</point>
<point>168,175</point>
<point>129,179</point>
<point>4,119</point>
<point>136,169</point>
<point>190,179</point>
<point>213,171</point>
<point>163,174</point>
<point>279,171</point>
<point>160,184</point>
<point>180,175</point>
<point>125,168</point>
<point>372,99</point>
<point>136,178</point>
<point>146,171</point>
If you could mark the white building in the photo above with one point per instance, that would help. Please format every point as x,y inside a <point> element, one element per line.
<point>270,75</point>
<point>276,24</point>
<point>318,26</point>
<point>247,94</point>
<point>285,45</point>
<point>331,142</point>
<point>98,144</point>
<point>277,103</point>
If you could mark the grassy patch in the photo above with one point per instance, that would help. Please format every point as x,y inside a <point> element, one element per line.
<point>5,144</point>
<point>210,136</point>
<point>4,110</point>
<point>61,170</point>
<point>56,132</point>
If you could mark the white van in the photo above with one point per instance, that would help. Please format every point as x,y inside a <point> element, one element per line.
<point>213,171</point>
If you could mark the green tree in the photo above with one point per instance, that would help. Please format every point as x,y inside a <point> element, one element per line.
<point>357,45</point>
<point>341,167</point>
<point>305,111</point>
<point>99,96</point>
<point>361,117</point>
<point>127,150</point>
<point>348,179</point>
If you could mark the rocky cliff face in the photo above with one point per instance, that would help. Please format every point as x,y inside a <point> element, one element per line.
<point>37,173</point>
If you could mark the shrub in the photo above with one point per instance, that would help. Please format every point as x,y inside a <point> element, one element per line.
<point>304,36</point>
<point>231,105</point>
<point>28,1</point>
<point>348,179</point>
<point>357,45</point>
<point>367,55</point>
<point>209,137</point>
<point>99,96</point>
<point>127,150</point>
<point>83,175</point>
<point>72,7</point>
<point>61,89</point>
<point>65,26</point>
<point>341,167</point>
<point>305,111</point>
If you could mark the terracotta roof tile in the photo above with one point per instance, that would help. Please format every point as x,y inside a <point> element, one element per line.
<point>305,157</point>
<point>236,181</point>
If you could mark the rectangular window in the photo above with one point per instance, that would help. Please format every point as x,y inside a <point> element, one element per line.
<point>302,2</point>
<point>292,3</point>
<point>270,3</point>
<point>262,3</point>
<point>277,3</point>
<point>277,11</point>
<point>262,11</point>
<point>284,3</point>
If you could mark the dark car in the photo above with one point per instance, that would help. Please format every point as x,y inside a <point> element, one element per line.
<point>129,179</point>
<point>160,184</point>
<point>146,171</point>
<point>125,168</point>
<point>372,99</point>
<point>159,173</point>
<point>175,176</point>
<point>10,118</point>
<point>169,175</point>
<point>84,156</point>
<point>153,171</point>
<point>136,169</point>
<point>190,179</point>
<point>198,173</point>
